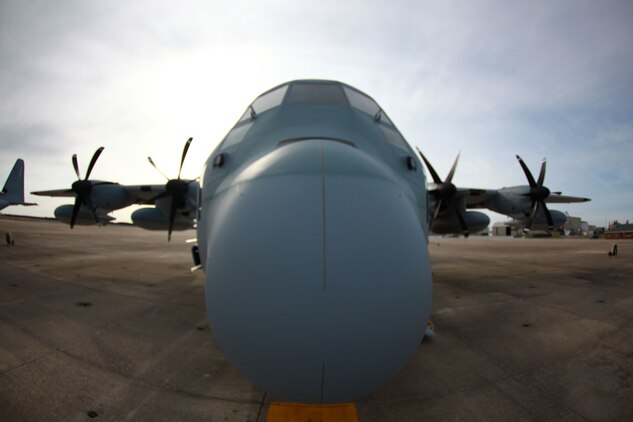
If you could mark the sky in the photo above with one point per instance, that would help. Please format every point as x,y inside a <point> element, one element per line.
<point>488,78</point>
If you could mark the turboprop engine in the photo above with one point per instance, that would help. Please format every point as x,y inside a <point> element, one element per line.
<point>64,213</point>
<point>475,221</point>
<point>155,219</point>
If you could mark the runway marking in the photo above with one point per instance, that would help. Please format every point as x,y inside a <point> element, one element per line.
<point>299,412</point>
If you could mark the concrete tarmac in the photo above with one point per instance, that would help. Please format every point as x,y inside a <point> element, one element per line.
<point>109,324</point>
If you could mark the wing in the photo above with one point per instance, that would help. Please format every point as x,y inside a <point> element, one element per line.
<point>477,198</point>
<point>555,198</point>
<point>140,194</point>
<point>56,193</point>
<point>143,194</point>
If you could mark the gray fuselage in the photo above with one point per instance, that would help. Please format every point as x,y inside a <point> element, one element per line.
<point>312,229</point>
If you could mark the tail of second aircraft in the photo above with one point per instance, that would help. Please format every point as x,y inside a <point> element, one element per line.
<point>14,186</point>
<point>13,190</point>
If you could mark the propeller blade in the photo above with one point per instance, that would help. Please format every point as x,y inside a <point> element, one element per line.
<point>462,222</point>
<point>436,212</point>
<point>541,176</point>
<point>527,172</point>
<point>86,200</point>
<point>95,157</point>
<point>548,216</point>
<point>449,178</point>
<point>76,166</point>
<point>76,207</point>
<point>163,194</point>
<point>172,217</point>
<point>184,154</point>
<point>156,167</point>
<point>93,210</point>
<point>532,215</point>
<point>434,175</point>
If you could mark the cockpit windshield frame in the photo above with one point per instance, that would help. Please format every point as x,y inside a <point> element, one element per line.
<point>315,93</point>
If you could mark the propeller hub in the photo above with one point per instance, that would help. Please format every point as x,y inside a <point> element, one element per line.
<point>177,187</point>
<point>539,193</point>
<point>82,187</point>
<point>445,190</point>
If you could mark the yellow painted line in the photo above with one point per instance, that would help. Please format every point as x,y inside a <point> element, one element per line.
<point>299,412</point>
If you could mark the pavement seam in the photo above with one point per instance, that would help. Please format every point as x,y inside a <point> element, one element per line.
<point>260,411</point>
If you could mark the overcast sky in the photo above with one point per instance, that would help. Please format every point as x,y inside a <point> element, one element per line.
<point>490,78</point>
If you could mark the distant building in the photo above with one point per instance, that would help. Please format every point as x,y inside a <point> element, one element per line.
<point>617,230</point>
<point>584,227</point>
<point>573,226</point>
<point>501,229</point>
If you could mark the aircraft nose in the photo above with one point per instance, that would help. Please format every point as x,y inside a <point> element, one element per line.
<point>318,282</point>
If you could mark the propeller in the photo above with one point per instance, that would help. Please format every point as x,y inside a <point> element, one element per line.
<point>444,192</point>
<point>82,188</point>
<point>538,193</point>
<point>176,188</point>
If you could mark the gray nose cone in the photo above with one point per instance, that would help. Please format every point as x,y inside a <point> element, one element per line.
<point>318,283</point>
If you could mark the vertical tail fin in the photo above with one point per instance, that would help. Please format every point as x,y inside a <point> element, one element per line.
<point>13,191</point>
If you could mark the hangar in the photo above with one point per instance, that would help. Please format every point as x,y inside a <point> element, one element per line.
<point>619,231</point>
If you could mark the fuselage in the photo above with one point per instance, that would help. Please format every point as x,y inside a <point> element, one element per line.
<point>312,230</point>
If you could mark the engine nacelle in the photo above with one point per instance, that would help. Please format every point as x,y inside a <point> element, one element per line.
<point>155,219</point>
<point>540,221</point>
<point>110,196</point>
<point>476,222</point>
<point>64,213</point>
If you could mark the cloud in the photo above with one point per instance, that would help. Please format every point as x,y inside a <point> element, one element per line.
<point>490,78</point>
<point>38,139</point>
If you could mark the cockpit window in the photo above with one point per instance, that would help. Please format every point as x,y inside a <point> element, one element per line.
<point>382,117</point>
<point>248,114</point>
<point>316,93</point>
<point>362,102</point>
<point>366,104</point>
<point>395,138</point>
<point>270,100</point>
<point>264,103</point>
